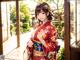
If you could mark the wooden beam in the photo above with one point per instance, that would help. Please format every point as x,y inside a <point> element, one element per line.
<point>67,29</point>
<point>17,23</point>
<point>6,0</point>
<point>1,40</point>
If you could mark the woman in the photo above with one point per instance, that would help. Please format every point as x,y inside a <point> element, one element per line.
<point>44,45</point>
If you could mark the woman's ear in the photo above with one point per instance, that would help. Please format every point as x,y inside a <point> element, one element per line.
<point>48,14</point>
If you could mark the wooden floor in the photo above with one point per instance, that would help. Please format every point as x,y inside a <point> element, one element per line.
<point>10,51</point>
<point>14,55</point>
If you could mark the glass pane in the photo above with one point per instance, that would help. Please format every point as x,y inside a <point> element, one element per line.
<point>75,23</point>
<point>8,26</point>
<point>78,23</point>
<point>8,19</point>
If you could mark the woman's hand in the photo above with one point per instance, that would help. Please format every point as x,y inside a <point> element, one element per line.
<point>30,43</point>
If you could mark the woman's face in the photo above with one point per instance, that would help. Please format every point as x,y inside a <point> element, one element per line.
<point>42,16</point>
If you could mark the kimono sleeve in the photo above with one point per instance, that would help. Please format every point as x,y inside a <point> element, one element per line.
<point>53,34</point>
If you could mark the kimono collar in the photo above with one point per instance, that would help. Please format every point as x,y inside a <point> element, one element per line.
<point>47,23</point>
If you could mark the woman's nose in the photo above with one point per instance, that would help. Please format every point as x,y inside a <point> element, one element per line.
<point>40,15</point>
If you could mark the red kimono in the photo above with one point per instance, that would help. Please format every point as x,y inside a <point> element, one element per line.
<point>49,34</point>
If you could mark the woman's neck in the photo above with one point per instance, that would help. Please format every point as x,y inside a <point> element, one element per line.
<point>45,21</point>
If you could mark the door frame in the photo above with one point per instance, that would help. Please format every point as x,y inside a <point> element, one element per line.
<point>67,30</point>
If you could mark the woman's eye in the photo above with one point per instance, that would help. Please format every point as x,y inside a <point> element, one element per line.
<point>43,13</point>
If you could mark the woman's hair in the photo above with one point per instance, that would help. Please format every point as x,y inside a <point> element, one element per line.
<point>45,8</point>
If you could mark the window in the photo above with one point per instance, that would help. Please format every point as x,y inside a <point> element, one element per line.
<point>75,23</point>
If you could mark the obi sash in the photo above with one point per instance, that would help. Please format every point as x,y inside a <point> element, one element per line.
<point>38,46</point>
